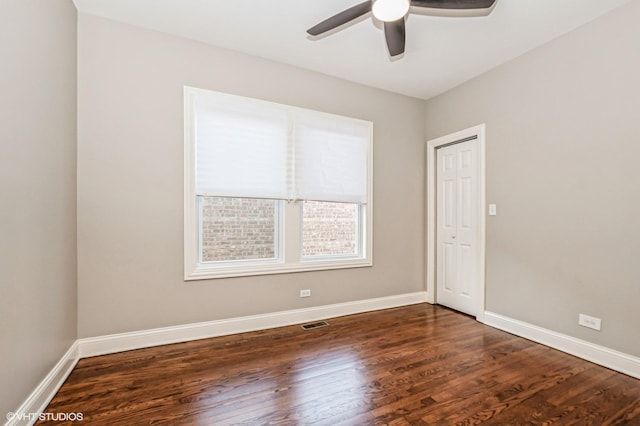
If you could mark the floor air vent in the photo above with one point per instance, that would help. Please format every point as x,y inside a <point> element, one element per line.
<point>313,325</point>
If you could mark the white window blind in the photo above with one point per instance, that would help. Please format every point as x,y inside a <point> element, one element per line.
<point>241,149</point>
<point>256,149</point>
<point>331,158</point>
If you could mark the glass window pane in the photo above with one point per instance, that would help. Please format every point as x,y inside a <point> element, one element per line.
<point>237,229</point>
<point>329,229</point>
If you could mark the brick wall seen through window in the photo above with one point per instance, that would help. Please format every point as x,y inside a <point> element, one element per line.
<point>329,229</point>
<point>244,229</point>
<point>237,229</point>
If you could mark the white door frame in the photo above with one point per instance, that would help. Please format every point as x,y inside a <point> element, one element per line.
<point>432,145</point>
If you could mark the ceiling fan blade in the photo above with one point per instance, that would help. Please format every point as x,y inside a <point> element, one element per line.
<point>395,35</point>
<point>341,18</point>
<point>453,4</point>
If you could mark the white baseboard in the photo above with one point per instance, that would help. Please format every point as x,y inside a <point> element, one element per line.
<point>618,361</point>
<point>35,404</point>
<point>102,345</point>
<point>82,348</point>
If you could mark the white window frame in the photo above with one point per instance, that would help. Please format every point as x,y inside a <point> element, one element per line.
<point>288,243</point>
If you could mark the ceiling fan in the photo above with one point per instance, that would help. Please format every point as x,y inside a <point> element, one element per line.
<point>392,13</point>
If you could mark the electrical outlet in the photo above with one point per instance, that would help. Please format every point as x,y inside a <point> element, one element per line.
<point>305,293</point>
<point>590,322</point>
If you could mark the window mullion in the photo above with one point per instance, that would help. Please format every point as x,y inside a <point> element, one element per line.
<point>292,231</point>
<point>292,235</point>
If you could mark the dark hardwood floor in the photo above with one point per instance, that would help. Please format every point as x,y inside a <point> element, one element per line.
<point>415,365</point>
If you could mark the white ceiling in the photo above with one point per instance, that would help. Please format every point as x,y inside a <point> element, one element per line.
<point>441,52</point>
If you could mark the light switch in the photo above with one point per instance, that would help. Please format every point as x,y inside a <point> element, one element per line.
<point>492,210</point>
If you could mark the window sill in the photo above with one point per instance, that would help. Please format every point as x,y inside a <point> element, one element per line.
<point>205,272</point>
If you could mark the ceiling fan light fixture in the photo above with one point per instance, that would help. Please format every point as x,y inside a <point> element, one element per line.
<point>390,10</point>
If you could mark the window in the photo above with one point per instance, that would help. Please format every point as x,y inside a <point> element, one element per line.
<point>271,188</point>
<point>237,229</point>
<point>330,229</point>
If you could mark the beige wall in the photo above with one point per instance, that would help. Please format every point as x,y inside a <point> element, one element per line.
<point>562,147</point>
<point>563,150</point>
<point>130,182</point>
<point>38,192</point>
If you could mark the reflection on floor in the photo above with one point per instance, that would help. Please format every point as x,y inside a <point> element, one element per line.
<point>415,365</point>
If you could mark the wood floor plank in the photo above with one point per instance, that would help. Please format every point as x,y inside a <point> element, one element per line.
<point>415,365</point>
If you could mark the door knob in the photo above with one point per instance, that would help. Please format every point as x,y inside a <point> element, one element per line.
<point>453,236</point>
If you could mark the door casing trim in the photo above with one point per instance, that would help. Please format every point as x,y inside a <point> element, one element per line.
<point>430,208</point>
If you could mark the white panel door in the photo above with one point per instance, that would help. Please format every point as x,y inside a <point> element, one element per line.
<point>457,227</point>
